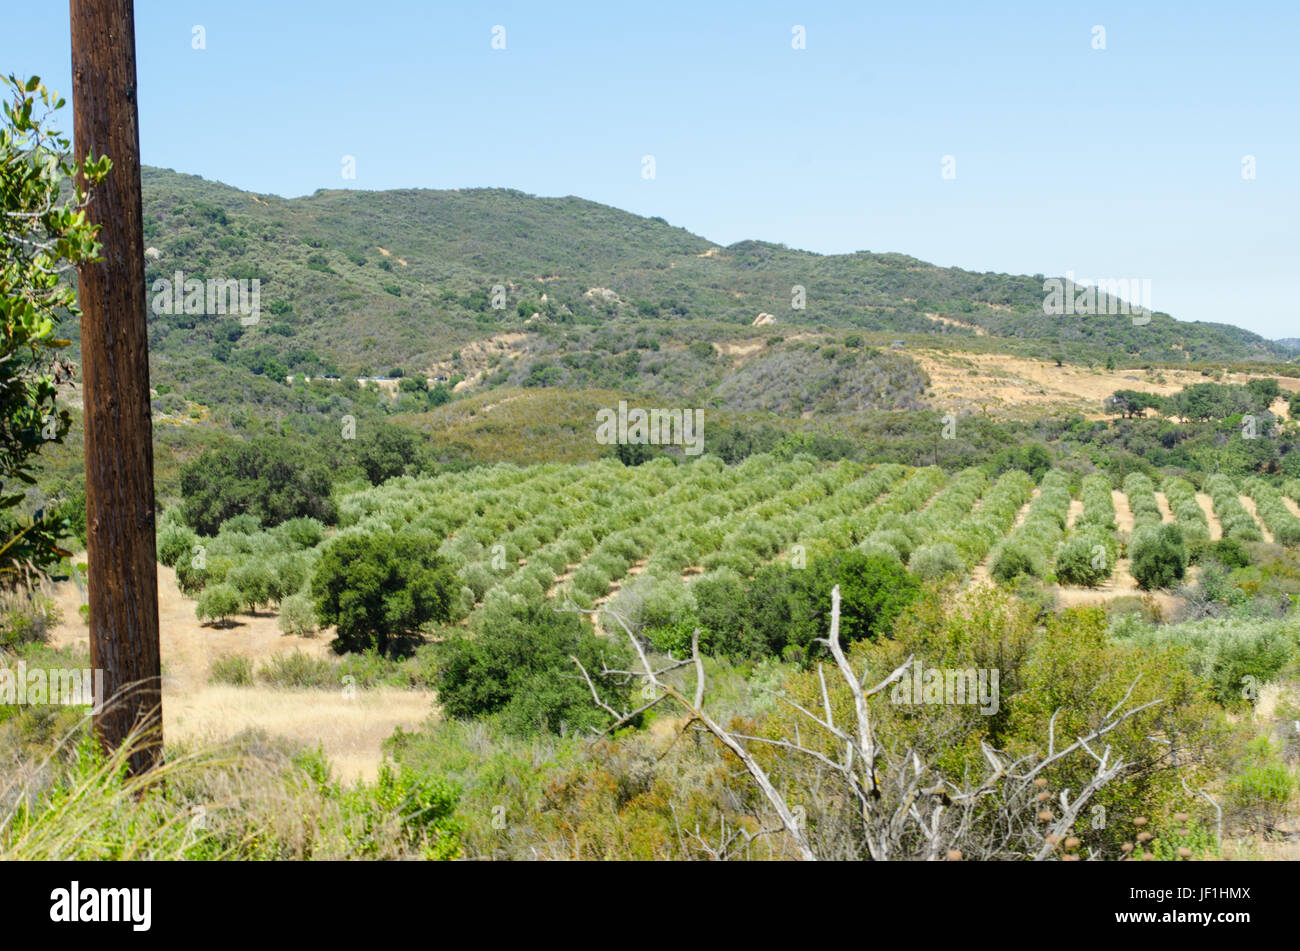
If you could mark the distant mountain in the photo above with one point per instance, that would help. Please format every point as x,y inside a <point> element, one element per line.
<point>1291,343</point>
<point>362,282</point>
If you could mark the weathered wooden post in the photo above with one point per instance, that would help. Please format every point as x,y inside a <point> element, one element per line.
<point>123,579</point>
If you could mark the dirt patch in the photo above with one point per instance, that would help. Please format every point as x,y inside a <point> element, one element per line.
<point>1123,513</point>
<point>1166,512</point>
<point>476,359</point>
<point>742,348</point>
<point>950,322</point>
<point>1249,505</point>
<point>1207,506</point>
<point>1012,387</point>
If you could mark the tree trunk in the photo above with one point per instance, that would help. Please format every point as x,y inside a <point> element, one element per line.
<point>123,579</point>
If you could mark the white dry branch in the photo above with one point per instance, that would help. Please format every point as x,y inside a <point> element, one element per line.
<point>907,807</point>
<point>694,709</point>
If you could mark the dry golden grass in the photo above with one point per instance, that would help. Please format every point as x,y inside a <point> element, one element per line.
<point>1009,387</point>
<point>350,731</point>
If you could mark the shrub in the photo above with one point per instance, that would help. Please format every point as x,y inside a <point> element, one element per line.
<point>1263,785</point>
<point>1086,558</point>
<point>175,542</point>
<point>254,580</point>
<point>298,670</point>
<point>721,598</point>
<point>1158,557</point>
<point>1013,560</point>
<point>591,581</point>
<point>675,638</point>
<point>1228,552</point>
<point>518,668</point>
<point>936,561</point>
<point>218,604</point>
<point>231,669</point>
<point>1223,652</point>
<point>379,589</point>
<point>873,592</point>
<point>241,524</point>
<point>422,808</point>
<point>298,615</point>
<point>478,577</point>
<point>878,549</point>
<point>289,572</point>
<point>384,451</point>
<point>893,538</point>
<point>266,478</point>
<point>27,618</point>
<point>303,532</point>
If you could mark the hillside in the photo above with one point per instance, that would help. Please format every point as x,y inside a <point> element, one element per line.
<point>362,282</point>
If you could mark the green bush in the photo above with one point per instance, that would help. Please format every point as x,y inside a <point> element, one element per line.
<point>174,543</point>
<point>1086,558</point>
<point>1228,552</point>
<point>241,524</point>
<point>298,670</point>
<point>1220,651</point>
<point>380,589</point>
<point>218,604</point>
<point>1158,557</point>
<point>266,478</point>
<point>27,618</point>
<point>298,615</point>
<point>231,669</point>
<point>936,561</point>
<point>254,579</point>
<point>289,573</point>
<point>1263,785</point>
<point>423,808</point>
<point>675,638</point>
<point>303,532</point>
<point>518,667</point>
<point>784,607</point>
<point>1013,560</point>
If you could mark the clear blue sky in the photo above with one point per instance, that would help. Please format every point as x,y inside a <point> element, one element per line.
<point>1117,163</point>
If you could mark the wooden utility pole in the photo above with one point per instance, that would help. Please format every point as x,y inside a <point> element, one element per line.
<point>123,574</point>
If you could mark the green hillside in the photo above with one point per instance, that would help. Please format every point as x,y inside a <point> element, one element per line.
<point>333,300</point>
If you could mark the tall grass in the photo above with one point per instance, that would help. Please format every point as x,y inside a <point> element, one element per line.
<point>252,798</point>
